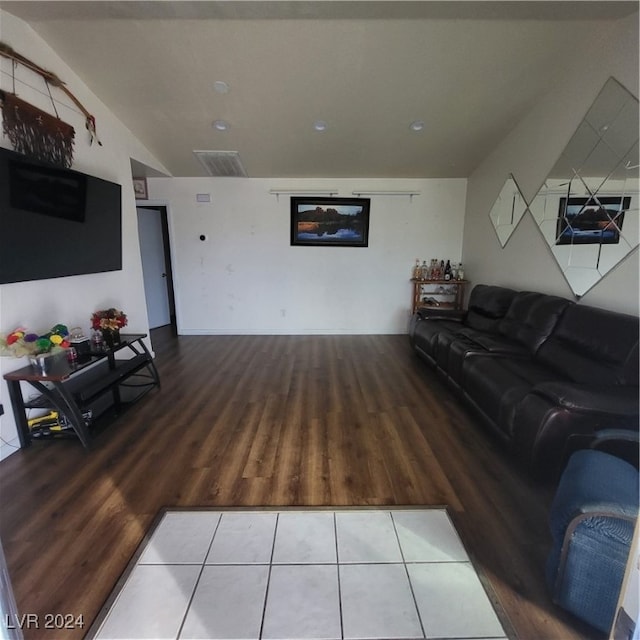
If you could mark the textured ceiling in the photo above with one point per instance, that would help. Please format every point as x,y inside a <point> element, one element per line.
<point>469,70</point>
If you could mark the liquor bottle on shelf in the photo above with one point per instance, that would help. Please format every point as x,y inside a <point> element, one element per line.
<point>447,271</point>
<point>424,271</point>
<point>416,271</point>
<point>460,275</point>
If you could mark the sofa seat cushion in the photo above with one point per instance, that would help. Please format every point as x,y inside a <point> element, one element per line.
<point>495,384</point>
<point>466,335</point>
<point>432,329</point>
<point>529,320</point>
<point>463,346</point>
<point>501,345</point>
<point>426,332</point>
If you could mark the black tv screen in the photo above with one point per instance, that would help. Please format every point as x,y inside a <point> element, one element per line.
<point>56,222</point>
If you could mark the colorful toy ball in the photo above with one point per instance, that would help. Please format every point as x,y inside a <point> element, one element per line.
<point>15,335</point>
<point>43,344</point>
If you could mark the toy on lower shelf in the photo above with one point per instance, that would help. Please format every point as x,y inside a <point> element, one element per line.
<point>52,423</point>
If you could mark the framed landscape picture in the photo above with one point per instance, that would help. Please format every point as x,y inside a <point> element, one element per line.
<point>330,222</point>
<point>593,220</point>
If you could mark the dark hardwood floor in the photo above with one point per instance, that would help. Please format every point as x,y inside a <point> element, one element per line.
<point>273,421</point>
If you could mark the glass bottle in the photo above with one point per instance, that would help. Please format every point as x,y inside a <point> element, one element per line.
<point>96,340</point>
<point>447,271</point>
<point>460,272</point>
<point>415,274</point>
<point>424,271</point>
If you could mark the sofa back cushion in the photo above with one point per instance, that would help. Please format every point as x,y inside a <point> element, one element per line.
<point>487,306</point>
<point>532,317</point>
<point>594,346</point>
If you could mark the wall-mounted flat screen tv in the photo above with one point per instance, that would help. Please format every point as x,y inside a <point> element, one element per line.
<point>56,222</point>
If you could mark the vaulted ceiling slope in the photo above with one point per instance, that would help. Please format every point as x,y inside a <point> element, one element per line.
<point>469,70</point>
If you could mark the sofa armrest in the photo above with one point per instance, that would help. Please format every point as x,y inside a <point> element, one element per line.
<point>435,313</point>
<point>617,401</point>
<point>603,436</point>
<point>622,443</point>
<point>597,484</point>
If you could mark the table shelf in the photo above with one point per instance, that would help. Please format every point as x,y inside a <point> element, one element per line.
<point>99,383</point>
<point>439,294</point>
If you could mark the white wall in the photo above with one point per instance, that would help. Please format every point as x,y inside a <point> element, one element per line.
<point>39,305</point>
<point>529,152</point>
<point>246,278</point>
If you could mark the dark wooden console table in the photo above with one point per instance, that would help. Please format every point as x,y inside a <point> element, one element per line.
<point>99,379</point>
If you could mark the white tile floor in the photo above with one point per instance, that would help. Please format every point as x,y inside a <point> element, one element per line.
<point>292,575</point>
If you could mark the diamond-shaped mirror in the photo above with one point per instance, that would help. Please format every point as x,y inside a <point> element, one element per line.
<point>507,210</point>
<point>587,209</point>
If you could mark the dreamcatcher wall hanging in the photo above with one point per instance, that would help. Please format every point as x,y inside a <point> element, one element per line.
<point>34,132</point>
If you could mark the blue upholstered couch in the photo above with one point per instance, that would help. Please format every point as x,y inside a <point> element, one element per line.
<point>592,520</point>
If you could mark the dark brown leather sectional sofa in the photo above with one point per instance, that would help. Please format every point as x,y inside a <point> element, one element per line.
<point>545,373</point>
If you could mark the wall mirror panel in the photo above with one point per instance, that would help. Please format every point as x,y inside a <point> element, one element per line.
<point>507,210</point>
<point>587,208</point>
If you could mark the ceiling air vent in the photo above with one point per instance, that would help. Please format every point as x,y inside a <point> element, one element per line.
<point>221,164</point>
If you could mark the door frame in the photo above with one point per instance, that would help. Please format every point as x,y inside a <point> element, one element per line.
<point>162,209</point>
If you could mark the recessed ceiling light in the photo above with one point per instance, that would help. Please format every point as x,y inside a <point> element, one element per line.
<point>320,125</point>
<point>221,125</point>
<point>220,86</point>
<point>417,125</point>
